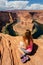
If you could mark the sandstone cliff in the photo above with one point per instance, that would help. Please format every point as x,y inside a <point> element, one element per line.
<point>10,55</point>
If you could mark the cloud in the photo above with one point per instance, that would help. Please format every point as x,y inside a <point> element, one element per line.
<point>3,2</point>
<point>35,7</point>
<point>23,5</point>
<point>11,5</point>
<point>17,4</point>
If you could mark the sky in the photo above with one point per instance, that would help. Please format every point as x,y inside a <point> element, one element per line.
<point>21,5</point>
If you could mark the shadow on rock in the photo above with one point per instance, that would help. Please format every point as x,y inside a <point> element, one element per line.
<point>35,47</point>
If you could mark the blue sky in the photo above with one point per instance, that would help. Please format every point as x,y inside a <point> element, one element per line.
<point>31,1</point>
<point>21,5</point>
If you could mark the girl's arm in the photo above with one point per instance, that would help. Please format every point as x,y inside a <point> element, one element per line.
<point>21,51</point>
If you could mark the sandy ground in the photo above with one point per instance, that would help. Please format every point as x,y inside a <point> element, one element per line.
<point>9,53</point>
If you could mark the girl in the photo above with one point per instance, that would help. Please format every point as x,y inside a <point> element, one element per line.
<point>26,46</point>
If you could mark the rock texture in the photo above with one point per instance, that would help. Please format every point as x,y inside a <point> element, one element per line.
<point>6,17</point>
<point>23,17</point>
<point>10,55</point>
